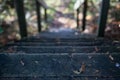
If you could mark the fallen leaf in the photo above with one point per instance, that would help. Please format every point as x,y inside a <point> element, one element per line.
<point>96,48</point>
<point>90,57</point>
<point>97,71</point>
<point>110,56</point>
<point>36,62</point>
<point>22,62</point>
<point>76,72</point>
<point>82,69</point>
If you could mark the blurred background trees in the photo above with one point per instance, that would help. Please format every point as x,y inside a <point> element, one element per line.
<point>61,13</point>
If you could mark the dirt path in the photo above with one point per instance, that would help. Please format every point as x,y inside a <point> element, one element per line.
<point>61,19</point>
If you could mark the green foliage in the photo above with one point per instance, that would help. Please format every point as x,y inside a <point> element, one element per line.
<point>6,9</point>
<point>1,30</point>
<point>6,5</point>
<point>29,5</point>
<point>115,10</point>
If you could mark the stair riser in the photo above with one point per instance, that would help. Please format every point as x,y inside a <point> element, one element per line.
<point>56,44</point>
<point>30,65</point>
<point>60,78</point>
<point>97,43</point>
<point>61,40</point>
<point>63,49</point>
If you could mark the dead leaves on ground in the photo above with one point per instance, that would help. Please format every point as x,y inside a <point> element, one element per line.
<point>111,57</point>
<point>22,63</point>
<point>81,70</point>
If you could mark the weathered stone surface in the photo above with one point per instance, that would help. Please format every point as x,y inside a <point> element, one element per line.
<point>40,65</point>
<point>65,49</point>
<point>67,57</point>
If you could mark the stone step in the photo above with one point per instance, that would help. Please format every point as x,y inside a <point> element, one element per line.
<point>92,43</point>
<point>62,49</point>
<point>62,39</point>
<point>63,34</point>
<point>59,44</point>
<point>62,78</point>
<point>67,66</point>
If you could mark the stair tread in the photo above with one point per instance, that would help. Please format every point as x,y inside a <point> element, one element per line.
<point>97,43</point>
<point>61,39</point>
<point>59,44</point>
<point>62,49</point>
<point>64,34</point>
<point>61,78</point>
<point>30,65</point>
<point>49,57</point>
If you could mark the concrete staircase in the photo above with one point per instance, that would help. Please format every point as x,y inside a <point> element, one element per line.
<point>61,56</point>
